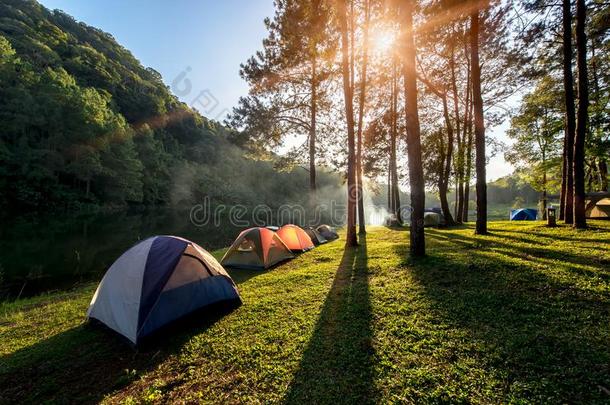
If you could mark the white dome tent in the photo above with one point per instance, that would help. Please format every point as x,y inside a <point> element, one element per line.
<point>159,280</point>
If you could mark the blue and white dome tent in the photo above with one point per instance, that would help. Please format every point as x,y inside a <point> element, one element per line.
<point>157,281</point>
<point>524,214</point>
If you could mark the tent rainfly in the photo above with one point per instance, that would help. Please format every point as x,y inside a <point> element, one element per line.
<point>523,214</point>
<point>257,249</point>
<point>295,238</point>
<point>315,236</point>
<point>328,232</point>
<point>157,281</point>
<point>600,210</point>
<point>432,219</point>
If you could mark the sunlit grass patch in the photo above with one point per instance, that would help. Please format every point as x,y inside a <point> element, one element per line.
<point>520,315</point>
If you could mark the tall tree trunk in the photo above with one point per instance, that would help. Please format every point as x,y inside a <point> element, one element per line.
<point>603,175</point>
<point>590,168</point>
<point>416,173</point>
<point>479,126</point>
<point>544,197</point>
<point>393,153</point>
<point>352,42</point>
<point>459,161</point>
<point>445,156</point>
<point>567,197</point>
<point>351,237</point>
<point>446,172</point>
<point>454,205</point>
<point>361,221</point>
<point>393,143</point>
<point>597,119</point>
<point>393,174</point>
<point>460,185</point>
<point>440,173</point>
<point>467,138</point>
<point>456,184</point>
<point>395,201</point>
<point>468,173</point>
<point>580,221</point>
<point>312,132</point>
<point>397,197</point>
<point>390,199</point>
<point>564,181</point>
<point>544,181</point>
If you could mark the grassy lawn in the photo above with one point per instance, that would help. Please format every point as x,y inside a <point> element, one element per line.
<point>522,315</point>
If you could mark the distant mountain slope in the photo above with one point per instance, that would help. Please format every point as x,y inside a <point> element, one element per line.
<point>53,39</point>
<point>83,122</point>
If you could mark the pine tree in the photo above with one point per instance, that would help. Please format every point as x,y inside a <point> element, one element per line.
<point>351,238</point>
<point>479,126</point>
<point>416,173</point>
<point>580,221</point>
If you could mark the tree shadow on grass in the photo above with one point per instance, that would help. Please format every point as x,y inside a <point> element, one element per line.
<point>546,340</point>
<point>336,366</point>
<point>242,275</point>
<point>533,251</point>
<point>85,363</point>
<point>603,236</point>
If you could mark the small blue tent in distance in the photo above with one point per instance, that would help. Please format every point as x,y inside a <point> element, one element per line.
<point>523,214</point>
<point>157,281</point>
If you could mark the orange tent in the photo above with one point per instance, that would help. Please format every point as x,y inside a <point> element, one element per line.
<point>256,248</point>
<point>295,238</point>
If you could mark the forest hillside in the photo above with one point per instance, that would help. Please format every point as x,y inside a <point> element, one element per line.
<point>84,123</point>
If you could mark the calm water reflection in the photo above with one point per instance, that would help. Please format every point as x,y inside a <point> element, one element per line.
<point>50,253</point>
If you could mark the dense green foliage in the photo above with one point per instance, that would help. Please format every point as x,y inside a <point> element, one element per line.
<point>540,122</point>
<point>513,188</point>
<point>83,122</point>
<point>520,316</point>
<point>537,131</point>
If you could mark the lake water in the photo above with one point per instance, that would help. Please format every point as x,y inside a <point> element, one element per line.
<point>53,253</point>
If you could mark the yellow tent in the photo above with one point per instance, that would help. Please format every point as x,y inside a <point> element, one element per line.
<point>600,210</point>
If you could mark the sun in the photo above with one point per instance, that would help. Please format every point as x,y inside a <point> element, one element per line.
<point>382,41</point>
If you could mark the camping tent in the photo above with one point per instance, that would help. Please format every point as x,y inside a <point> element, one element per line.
<point>316,237</point>
<point>157,281</point>
<point>328,232</point>
<point>256,248</point>
<point>295,238</point>
<point>523,214</point>
<point>392,220</point>
<point>432,219</point>
<point>601,209</point>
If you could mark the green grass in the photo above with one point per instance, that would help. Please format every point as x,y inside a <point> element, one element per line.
<point>521,315</point>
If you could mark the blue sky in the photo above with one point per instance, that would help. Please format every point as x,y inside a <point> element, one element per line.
<point>203,41</point>
<point>206,39</point>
